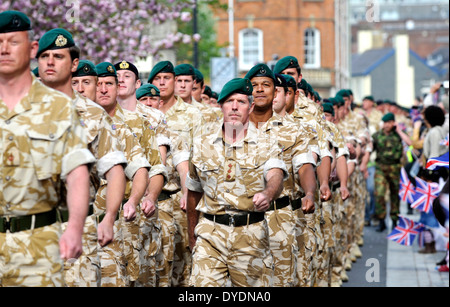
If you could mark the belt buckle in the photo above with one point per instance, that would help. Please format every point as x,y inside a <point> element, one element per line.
<point>7,224</point>
<point>232,221</point>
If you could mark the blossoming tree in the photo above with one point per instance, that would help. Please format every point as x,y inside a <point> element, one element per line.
<point>108,30</point>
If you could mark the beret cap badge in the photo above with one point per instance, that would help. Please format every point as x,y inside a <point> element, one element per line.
<point>86,68</point>
<point>153,91</point>
<point>61,41</point>
<point>124,65</point>
<point>110,69</point>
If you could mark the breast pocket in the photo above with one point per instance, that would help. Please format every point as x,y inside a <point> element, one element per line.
<point>209,176</point>
<point>47,150</point>
<point>252,172</point>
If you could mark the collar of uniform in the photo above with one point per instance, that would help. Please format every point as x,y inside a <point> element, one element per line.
<point>25,103</point>
<point>250,137</point>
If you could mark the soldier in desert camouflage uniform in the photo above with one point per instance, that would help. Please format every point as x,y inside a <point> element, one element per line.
<point>44,147</point>
<point>182,121</point>
<point>332,209</point>
<point>144,122</point>
<point>239,177</point>
<point>57,63</point>
<point>114,256</point>
<point>294,141</point>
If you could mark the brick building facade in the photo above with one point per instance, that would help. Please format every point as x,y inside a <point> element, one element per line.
<point>314,31</point>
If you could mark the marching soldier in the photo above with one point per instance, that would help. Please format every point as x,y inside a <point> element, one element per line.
<point>44,152</point>
<point>184,82</point>
<point>57,58</point>
<point>238,177</point>
<point>183,120</point>
<point>113,257</point>
<point>294,141</point>
<point>332,209</point>
<point>141,119</point>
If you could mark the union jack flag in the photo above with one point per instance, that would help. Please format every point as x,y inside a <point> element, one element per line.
<point>438,162</point>
<point>406,191</point>
<point>424,195</point>
<point>406,231</point>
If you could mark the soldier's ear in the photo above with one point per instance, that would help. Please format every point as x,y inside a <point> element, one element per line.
<point>75,65</point>
<point>34,47</point>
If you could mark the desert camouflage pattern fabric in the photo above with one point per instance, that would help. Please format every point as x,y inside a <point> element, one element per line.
<point>31,258</point>
<point>42,142</point>
<point>240,256</point>
<point>84,271</point>
<point>157,122</point>
<point>231,174</point>
<point>295,143</point>
<point>131,230</point>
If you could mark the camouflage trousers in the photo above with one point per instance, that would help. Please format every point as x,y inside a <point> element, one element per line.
<point>113,261</point>
<point>84,271</point>
<point>132,245</point>
<point>182,255</point>
<point>387,177</point>
<point>150,236</point>
<point>340,229</point>
<point>164,258</point>
<point>239,255</point>
<point>31,258</point>
<point>307,248</point>
<point>329,242</point>
<point>283,245</point>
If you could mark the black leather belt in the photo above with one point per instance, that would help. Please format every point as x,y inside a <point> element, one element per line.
<point>22,223</point>
<point>280,203</point>
<point>164,195</point>
<point>296,204</point>
<point>335,185</point>
<point>237,220</point>
<point>65,213</point>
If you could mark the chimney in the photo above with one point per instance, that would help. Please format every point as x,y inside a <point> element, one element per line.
<point>404,79</point>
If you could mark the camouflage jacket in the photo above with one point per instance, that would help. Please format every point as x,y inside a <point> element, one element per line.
<point>389,147</point>
<point>42,141</point>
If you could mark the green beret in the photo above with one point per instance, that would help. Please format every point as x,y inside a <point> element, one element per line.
<point>14,21</point>
<point>36,72</point>
<point>340,100</point>
<point>85,68</point>
<point>328,108</point>
<point>280,81</point>
<point>317,96</point>
<point>125,65</point>
<point>215,95</point>
<point>343,93</point>
<point>310,89</point>
<point>290,82</point>
<point>106,69</point>
<point>332,100</point>
<point>198,76</point>
<point>164,66</point>
<point>303,85</point>
<point>207,91</point>
<point>388,117</point>
<point>286,62</point>
<point>184,70</point>
<point>55,39</point>
<point>260,70</point>
<point>147,90</point>
<point>237,85</point>
<point>369,98</point>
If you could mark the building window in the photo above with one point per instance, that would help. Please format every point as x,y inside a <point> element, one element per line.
<point>250,48</point>
<point>312,48</point>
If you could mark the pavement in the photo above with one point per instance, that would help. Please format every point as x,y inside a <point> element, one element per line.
<point>385,263</point>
